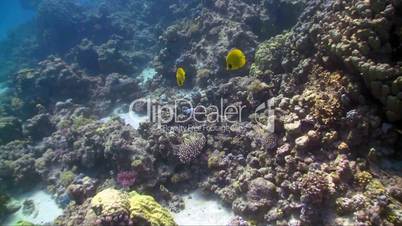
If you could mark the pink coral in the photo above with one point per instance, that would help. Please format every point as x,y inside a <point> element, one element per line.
<point>126,178</point>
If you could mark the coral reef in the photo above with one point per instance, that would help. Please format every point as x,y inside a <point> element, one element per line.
<point>200,44</point>
<point>330,72</point>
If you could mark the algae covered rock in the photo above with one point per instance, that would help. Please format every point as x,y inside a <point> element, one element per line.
<point>114,207</point>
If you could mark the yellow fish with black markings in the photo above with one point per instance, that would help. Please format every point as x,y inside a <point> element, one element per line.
<point>235,59</point>
<point>180,76</point>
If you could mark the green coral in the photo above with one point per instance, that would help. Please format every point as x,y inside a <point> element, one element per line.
<point>144,207</point>
<point>268,55</point>
<point>66,178</point>
<point>394,214</point>
<point>80,121</point>
<point>374,188</point>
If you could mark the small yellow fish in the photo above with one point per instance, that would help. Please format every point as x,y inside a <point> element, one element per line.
<point>180,76</point>
<point>235,59</point>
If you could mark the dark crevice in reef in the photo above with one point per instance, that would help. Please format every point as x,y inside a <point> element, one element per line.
<point>396,45</point>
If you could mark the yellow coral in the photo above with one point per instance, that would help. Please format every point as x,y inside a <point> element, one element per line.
<point>141,208</point>
<point>144,207</point>
<point>109,202</point>
<point>374,188</point>
<point>394,214</point>
<point>363,178</point>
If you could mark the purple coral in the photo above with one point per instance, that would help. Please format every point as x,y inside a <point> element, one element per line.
<point>126,178</point>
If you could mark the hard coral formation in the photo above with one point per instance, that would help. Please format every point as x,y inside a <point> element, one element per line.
<point>191,147</point>
<point>145,210</point>
<point>363,39</point>
<point>113,207</point>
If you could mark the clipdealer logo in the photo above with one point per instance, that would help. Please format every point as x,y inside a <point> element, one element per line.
<point>182,111</point>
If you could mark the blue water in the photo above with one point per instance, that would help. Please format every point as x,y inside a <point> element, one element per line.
<point>12,15</point>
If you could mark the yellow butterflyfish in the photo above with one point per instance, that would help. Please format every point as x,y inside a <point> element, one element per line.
<point>235,59</point>
<point>180,76</point>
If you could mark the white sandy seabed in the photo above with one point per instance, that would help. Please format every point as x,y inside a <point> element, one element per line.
<point>132,119</point>
<point>201,210</point>
<point>46,209</point>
